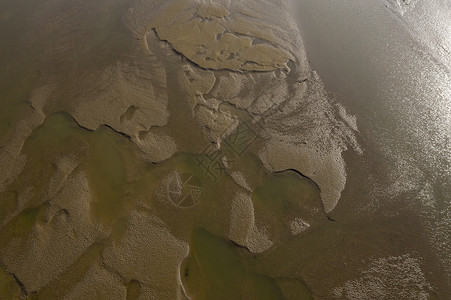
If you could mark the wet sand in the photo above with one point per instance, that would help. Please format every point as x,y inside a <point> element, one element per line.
<point>186,150</point>
<point>402,110</point>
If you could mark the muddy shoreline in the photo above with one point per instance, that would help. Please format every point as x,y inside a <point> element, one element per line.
<point>186,150</point>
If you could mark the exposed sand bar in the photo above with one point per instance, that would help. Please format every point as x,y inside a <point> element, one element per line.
<point>108,193</point>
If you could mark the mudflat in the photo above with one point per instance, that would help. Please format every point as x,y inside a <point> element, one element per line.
<point>184,150</point>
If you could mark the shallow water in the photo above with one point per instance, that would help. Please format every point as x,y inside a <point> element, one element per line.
<point>375,60</point>
<point>232,228</point>
<point>216,269</point>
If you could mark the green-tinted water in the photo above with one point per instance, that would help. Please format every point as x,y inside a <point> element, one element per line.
<point>216,269</point>
<point>9,289</point>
